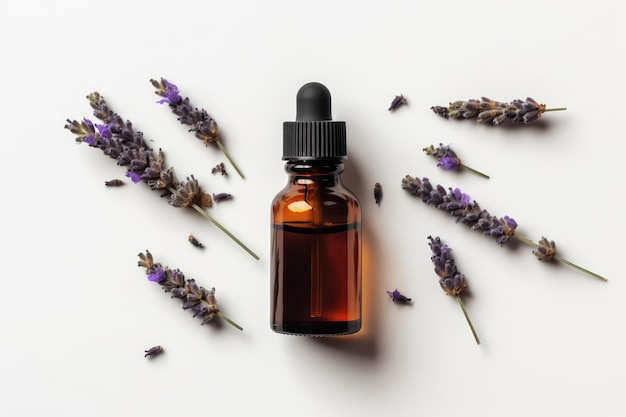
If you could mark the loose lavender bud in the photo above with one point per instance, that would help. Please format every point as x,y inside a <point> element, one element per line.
<point>221,168</point>
<point>153,351</point>
<point>398,297</point>
<point>192,239</point>
<point>114,183</point>
<point>378,193</point>
<point>397,102</point>
<point>221,197</point>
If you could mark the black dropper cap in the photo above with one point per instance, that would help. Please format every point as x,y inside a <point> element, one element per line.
<point>314,135</point>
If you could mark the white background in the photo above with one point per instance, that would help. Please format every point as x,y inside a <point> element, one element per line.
<point>76,313</point>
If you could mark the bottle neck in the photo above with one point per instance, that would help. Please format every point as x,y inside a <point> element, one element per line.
<point>315,170</point>
<point>314,167</point>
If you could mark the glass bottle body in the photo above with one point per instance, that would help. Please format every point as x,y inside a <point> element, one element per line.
<point>316,253</point>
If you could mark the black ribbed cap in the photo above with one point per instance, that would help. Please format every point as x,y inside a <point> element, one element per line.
<point>314,135</point>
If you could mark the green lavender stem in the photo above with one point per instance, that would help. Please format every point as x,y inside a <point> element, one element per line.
<point>467,317</point>
<point>561,259</point>
<point>232,323</point>
<point>219,145</point>
<point>474,171</point>
<point>556,109</point>
<point>223,229</point>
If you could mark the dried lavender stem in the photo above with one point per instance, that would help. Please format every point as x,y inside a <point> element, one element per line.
<point>580,268</point>
<point>232,323</point>
<point>559,258</point>
<point>474,171</point>
<point>467,317</point>
<point>223,229</point>
<point>219,145</point>
<point>526,240</point>
<point>556,109</point>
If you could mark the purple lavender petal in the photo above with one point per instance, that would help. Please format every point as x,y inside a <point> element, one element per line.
<point>448,163</point>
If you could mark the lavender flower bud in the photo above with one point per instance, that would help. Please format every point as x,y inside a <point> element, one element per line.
<point>178,292</point>
<point>546,249</point>
<point>397,102</point>
<point>398,297</point>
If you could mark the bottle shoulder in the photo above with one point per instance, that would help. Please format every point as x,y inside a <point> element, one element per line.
<point>334,205</point>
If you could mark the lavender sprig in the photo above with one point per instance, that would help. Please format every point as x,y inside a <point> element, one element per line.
<point>194,297</point>
<point>199,120</point>
<point>467,211</point>
<point>448,159</point>
<point>450,279</point>
<point>118,140</point>
<point>486,110</point>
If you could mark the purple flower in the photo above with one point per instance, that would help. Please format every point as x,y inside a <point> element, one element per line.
<point>134,177</point>
<point>105,130</point>
<point>90,140</point>
<point>169,93</point>
<point>448,162</point>
<point>396,296</point>
<point>89,123</point>
<point>510,222</point>
<point>157,276</point>
<point>461,196</point>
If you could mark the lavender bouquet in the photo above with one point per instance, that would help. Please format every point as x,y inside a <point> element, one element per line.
<point>486,110</point>
<point>467,211</point>
<point>200,122</point>
<point>194,297</point>
<point>118,140</point>
<point>450,279</point>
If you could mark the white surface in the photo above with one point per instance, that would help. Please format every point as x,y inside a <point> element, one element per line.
<point>76,313</point>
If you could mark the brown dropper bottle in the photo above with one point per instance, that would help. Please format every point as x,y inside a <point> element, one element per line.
<point>316,227</point>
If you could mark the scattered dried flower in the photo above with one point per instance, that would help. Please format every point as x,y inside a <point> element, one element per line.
<point>221,168</point>
<point>221,197</point>
<point>486,110</point>
<point>153,351</point>
<point>200,122</point>
<point>448,159</point>
<point>466,211</point>
<point>378,193</point>
<point>450,279</point>
<point>192,239</point>
<point>397,102</point>
<point>118,140</point>
<point>398,297</point>
<point>114,183</point>
<point>194,297</point>
<point>546,250</point>
<point>189,194</point>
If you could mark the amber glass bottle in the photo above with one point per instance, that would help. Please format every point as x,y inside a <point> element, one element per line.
<point>316,227</point>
